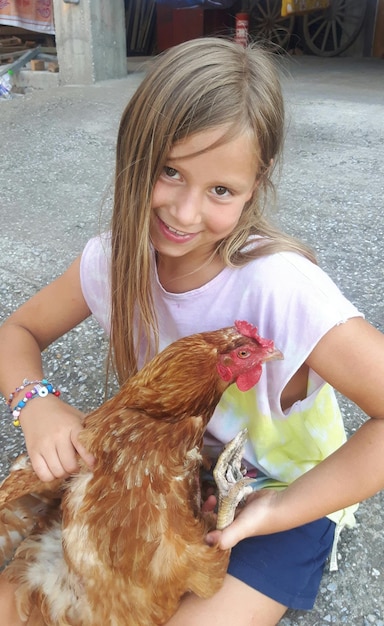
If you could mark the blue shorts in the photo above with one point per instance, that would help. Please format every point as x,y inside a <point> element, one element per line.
<point>285,566</point>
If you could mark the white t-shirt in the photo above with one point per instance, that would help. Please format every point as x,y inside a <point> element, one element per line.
<point>291,301</point>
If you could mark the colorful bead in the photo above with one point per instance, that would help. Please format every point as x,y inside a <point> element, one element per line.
<point>42,389</point>
<point>26,382</point>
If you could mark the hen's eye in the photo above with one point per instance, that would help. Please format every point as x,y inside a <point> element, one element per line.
<point>243,354</point>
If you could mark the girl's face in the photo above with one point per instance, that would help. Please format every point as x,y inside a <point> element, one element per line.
<point>199,198</point>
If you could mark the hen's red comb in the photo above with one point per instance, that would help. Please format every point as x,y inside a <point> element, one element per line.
<point>248,330</point>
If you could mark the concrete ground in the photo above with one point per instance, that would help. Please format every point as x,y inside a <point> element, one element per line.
<point>57,155</point>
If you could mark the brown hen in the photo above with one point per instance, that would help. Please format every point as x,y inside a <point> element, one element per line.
<point>128,541</point>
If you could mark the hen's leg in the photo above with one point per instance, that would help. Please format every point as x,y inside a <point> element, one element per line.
<point>232,485</point>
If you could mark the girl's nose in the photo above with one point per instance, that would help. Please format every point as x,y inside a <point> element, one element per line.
<point>187,207</point>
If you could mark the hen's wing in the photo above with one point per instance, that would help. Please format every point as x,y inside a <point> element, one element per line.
<point>25,503</point>
<point>19,518</point>
<point>22,480</point>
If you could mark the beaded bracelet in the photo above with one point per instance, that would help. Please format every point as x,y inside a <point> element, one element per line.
<point>25,384</point>
<point>41,389</point>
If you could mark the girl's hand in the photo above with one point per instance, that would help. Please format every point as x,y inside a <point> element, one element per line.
<point>51,430</point>
<point>259,516</point>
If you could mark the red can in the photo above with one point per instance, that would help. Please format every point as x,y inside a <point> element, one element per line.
<point>242,25</point>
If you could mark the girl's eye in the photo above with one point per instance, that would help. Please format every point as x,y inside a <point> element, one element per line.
<point>221,191</point>
<point>170,172</point>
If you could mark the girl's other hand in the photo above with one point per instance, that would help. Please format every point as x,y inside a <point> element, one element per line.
<point>51,430</point>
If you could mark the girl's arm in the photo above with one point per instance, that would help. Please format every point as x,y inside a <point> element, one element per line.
<point>351,358</point>
<point>50,426</point>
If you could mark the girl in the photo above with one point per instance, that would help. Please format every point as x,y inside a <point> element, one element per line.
<point>190,250</point>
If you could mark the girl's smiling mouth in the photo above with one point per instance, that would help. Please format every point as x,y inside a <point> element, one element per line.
<point>174,235</point>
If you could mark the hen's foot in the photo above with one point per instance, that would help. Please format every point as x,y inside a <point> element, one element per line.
<point>232,484</point>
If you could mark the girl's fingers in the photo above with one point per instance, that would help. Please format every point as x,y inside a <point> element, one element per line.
<point>87,457</point>
<point>209,505</point>
<point>47,472</point>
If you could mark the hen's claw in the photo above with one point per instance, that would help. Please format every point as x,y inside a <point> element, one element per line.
<point>231,483</point>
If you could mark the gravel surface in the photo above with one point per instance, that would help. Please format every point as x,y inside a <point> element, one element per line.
<point>57,161</point>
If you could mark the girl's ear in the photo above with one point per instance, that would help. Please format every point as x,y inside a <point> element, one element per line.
<point>268,169</point>
<point>265,171</point>
<point>255,186</point>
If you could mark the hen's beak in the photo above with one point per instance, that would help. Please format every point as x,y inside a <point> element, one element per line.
<point>273,354</point>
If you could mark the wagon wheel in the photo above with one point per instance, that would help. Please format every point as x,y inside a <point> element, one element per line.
<point>267,24</point>
<point>329,32</point>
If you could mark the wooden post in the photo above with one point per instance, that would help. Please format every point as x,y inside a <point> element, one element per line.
<point>378,39</point>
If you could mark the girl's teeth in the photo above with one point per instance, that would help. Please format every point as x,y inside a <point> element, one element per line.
<point>177,232</point>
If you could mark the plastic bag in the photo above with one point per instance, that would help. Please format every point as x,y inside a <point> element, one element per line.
<point>6,86</point>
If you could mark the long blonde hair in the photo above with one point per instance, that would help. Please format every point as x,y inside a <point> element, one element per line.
<point>195,86</point>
